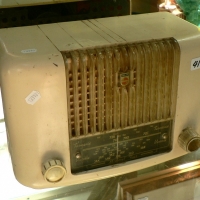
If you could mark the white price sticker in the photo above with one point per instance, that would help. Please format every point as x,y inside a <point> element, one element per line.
<point>29,51</point>
<point>195,63</point>
<point>144,198</point>
<point>33,97</point>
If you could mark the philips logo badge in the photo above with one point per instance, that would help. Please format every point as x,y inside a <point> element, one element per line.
<point>124,79</point>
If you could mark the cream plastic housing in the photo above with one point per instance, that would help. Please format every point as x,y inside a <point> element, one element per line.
<point>33,84</point>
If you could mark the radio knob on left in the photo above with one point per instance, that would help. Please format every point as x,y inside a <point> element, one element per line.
<point>53,171</point>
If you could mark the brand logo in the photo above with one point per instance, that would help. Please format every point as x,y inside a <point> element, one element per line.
<point>124,79</point>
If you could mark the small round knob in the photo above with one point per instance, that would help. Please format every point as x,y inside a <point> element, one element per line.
<point>189,140</point>
<point>78,155</point>
<point>54,171</point>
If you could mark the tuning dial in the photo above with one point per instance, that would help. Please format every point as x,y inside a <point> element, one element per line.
<point>189,140</point>
<point>54,171</point>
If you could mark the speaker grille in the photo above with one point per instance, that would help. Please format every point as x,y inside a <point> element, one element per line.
<point>121,86</point>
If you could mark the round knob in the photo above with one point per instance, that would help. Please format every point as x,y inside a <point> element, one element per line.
<point>189,140</point>
<point>53,171</point>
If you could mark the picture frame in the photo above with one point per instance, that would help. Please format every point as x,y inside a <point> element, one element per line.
<point>180,183</point>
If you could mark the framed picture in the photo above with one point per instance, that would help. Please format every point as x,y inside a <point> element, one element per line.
<point>180,183</point>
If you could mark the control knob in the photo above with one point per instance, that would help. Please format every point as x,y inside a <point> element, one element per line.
<point>189,140</point>
<point>54,171</point>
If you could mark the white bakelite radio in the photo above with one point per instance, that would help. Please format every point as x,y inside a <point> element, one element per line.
<point>92,99</point>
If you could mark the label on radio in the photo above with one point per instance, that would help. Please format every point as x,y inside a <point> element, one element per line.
<point>29,51</point>
<point>106,149</point>
<point>33,97</point>
<point>195,63</point>
<point>144,198</point>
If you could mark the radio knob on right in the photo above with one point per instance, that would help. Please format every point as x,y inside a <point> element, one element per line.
<point>189,140</point>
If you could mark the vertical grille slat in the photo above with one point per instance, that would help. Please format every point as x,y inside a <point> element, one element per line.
<point>139,84</point>
<point>124,107</point>
<point>124,92</point>
<point>116,112</point>
<point>155,68</point>
<point>92,91</point>
<point>176,53</point>
<point>131,103</point>
<point>147,82</point>
<point>109,87</point>
<point>100,95</point>
<point>115,87</point>
<point>116,97</point>
<point>132,93</point>
<point>75,68</point>
<point>167,85</point>
<point>125,60</point>
<point>68,61</point>
<point>83,69</point>
<point>162,78</point>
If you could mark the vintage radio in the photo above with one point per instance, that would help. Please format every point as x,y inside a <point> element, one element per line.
<point>92,99</point>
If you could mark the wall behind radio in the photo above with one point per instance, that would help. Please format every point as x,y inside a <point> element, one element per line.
<point>32,14</point>
<point>144,6</point>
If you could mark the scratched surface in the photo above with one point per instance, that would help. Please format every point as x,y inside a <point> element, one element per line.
<point>106,149</point>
